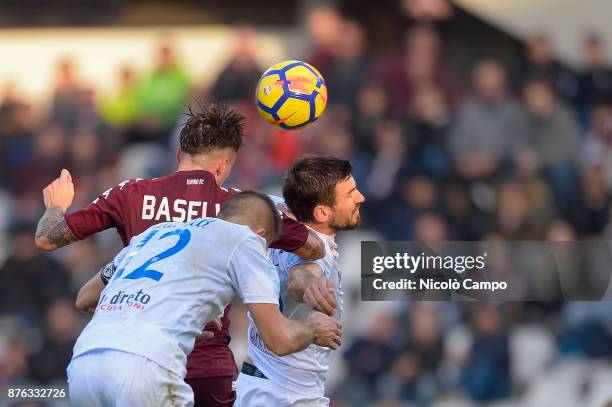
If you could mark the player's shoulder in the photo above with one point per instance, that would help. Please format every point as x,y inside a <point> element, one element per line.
<point>131,183</point>
<point>229,231</point>
<point>227,193</point>
<point>118,190</point>
<point>285,261</point>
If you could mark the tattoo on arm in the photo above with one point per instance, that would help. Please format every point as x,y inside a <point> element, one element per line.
<point>54,228</point>
<point>313,249</point>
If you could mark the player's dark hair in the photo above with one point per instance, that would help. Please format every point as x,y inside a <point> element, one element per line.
<point>214,127</point>
<point>248,205</point>
<point>312,181</point>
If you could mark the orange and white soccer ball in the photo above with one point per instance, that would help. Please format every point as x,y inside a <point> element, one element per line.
<point>291,94</point>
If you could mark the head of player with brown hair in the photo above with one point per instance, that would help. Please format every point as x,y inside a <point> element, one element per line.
<point>210,140</point>
<point>255,210</point>
<point>322,192</point>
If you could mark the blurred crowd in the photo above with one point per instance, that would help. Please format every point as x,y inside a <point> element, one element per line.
<point>524,153</point>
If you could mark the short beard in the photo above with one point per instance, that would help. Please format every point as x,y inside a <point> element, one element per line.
<point>345,225</point>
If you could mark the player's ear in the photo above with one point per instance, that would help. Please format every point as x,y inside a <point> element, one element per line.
<point>261,231</point>
<point>222,170</point>
<point>178,154</point>
<point>321,213</point>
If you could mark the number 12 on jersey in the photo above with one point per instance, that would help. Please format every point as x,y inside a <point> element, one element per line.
<point>143,271</point>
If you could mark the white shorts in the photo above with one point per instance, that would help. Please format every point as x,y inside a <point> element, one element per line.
<point>108,377</point>
<point>256,392</point>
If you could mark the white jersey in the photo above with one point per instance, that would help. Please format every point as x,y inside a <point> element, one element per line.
<point>170,281</point>
<point>302,372</point>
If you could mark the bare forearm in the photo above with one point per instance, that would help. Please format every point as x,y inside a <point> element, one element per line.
<point>313,249</point>
<point>89,295</point>
<point>284,336</point>
<point>299,279</point>
<point>298,336</point>
<point>281,335</point>
<point>318,329</point>
<point>52,231</point>
<point>307,284</point>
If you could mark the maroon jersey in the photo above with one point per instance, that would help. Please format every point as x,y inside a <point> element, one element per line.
<point>133,206</point>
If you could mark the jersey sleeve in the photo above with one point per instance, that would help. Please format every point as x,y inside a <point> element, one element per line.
<point>293,235</point>
<point>103,213</point>
<point>285,261</point>
<point>121,255</point>
<point>253,275</point>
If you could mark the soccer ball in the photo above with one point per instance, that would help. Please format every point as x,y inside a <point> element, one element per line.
<point>291,94</point>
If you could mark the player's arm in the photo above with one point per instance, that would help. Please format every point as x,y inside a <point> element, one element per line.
<point>284,336</point>
<point>312,249</point>
<point>307,284</point>
<point>256,280</point>
<point>57,229</point>
<point>300,240</point>
<point>89,294</point>
<point>52,231</point>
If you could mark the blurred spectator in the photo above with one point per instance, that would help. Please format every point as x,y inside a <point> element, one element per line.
<point>67,95</point>
<point>348,65</point>
<point>421,193</point>
<point>540,62</point>
<point>324,27</point>
<point>425,334</point>
<point>465,220</point>
<point>388,159</point>
<point>62,327</point>
<point>413,376</point>
<point>29,279</point>
<point>486,376</point>
<point>552,135</point>
<point>402,381</point>
<point>87,116</point>
<point>254,168</point>
<point>85,153</point>
<point>592,210</point>
<point>596,79</point>
<point>16,133</point>
<point>368,357</point>
<point>372,107</point>
<point>118,111</point>
<point>520,215</point>
<point>47,158</point>
<point>14,365</point>
<point>384,180</point>
<point>430,227</point>
<point>427,10</point>
<point>597,147</point>
<point>238,79</point>
<point>419,62</point>
<point>428,130</point>
<point>488,128</point>
<point>161,97</point>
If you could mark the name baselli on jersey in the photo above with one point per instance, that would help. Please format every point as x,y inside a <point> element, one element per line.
<point>178,210</point>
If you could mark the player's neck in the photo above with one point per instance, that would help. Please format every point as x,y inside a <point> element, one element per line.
<point>189,165</point>
<point>322,228</point>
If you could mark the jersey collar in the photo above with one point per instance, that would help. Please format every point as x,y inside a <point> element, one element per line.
<point>199,173</point>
